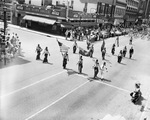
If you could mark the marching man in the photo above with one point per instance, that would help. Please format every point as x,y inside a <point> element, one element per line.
<point>103,68</point>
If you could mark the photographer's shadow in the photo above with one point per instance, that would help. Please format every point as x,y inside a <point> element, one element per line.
<point>139,102</point>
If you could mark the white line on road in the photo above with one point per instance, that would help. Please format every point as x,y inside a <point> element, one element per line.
<point>56,101</point>
<point>18,90</point>
<point>118,88</point>
<point>107,84</point>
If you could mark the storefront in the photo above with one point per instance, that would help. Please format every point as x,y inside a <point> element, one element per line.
<point>118,21</point>
<point>39,18</point>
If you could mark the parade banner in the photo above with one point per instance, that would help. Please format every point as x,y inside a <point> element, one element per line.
<point>63,48</point>
<point>83,52</point>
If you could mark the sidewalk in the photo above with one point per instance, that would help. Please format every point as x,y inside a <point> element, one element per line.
<point>33,31</point>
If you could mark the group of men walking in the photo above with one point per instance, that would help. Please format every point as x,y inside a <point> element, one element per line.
<point>90,47</point>
<point>46,53</point>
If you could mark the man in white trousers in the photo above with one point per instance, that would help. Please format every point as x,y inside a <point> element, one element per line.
<point>103,68</point>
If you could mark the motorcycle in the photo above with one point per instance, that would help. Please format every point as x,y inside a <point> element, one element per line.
<point>136,95</point>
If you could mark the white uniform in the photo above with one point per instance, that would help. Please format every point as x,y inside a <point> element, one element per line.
<point>103,67</point>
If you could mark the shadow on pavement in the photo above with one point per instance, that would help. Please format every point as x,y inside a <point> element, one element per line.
<point>122,63</point>
<point>139,102</point>
<point>107,55</point>
<point>98,79</point>
<point>106,80</point>
<point>72,72</point>
<point>13,62</point>
<point>133,59</point>
<point>107,61</point>
<point>91,78</point>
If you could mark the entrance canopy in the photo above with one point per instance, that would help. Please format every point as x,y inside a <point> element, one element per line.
<point>63,25</point>
<point>39,19</point>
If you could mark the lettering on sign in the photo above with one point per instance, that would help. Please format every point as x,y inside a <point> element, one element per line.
<point>20,7</point>
<point>55,13</point>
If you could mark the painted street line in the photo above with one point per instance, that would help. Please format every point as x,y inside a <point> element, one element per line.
<point>106,84</point>
<point>23,88</point>
<point>56,101</point>
<point>118,88</point>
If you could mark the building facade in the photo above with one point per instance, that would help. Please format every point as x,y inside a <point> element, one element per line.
<point>120,10</point>
<point>131,15</point>
<point>8,5</point>
<point>144,10</point>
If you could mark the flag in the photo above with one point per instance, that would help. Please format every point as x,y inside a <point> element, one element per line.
<point>63,48</point>
<point>83,52</point>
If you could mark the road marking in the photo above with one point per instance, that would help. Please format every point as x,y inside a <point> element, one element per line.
<point>18,90</point>
<point>56,101</point>
<point>118,88</point>
<point>106,84</point>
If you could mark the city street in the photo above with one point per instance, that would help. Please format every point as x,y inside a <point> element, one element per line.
<point>31,90</point>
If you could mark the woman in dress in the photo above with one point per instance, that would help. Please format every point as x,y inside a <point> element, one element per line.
<point>46,53</point>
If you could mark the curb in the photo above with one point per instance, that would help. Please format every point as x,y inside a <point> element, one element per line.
<point>33,31</point>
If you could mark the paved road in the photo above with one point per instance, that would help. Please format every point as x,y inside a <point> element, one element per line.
<point>31,90</point>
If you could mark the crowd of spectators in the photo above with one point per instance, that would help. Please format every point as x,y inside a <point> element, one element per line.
<point>10,47</point>
<point>95,33</point>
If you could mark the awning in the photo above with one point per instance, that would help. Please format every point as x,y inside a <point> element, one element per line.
<point>66,26</point>
<point>39,19</point>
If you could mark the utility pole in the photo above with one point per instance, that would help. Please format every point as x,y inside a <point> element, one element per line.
<point>67,10</point>
<point>146,9</point>
<point>4,20</point>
